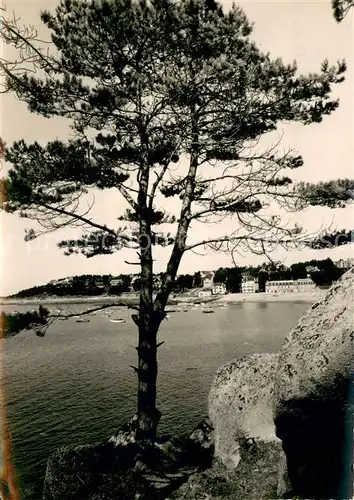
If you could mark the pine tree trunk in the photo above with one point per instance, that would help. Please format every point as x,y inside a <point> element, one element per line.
<point>148,324</point>
<point>148,415</point>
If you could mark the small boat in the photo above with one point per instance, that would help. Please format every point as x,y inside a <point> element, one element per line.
<point>82,320</point>
<point>118,320</point>
<point>208,311</point>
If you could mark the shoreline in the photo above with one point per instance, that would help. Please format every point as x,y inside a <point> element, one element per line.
<point>235,298</point>
<point>123,300</point>
<point>132,300</point>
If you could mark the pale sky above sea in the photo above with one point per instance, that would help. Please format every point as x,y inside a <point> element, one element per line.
<point>304,31</point>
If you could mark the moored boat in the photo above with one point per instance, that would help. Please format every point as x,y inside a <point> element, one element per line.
<point>82,320</point>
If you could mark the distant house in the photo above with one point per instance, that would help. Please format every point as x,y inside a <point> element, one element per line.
<point>345,263</point>
<point>305,285</point>
<point>249,284</point>
<point>208,279</point>
<point>218,289</point>
<point>116,282</point>
<point>206,292</point>
<point>99,283</point>
<point>62,282</point>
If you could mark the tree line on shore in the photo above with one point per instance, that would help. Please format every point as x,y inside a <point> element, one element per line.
<point>323,273</point>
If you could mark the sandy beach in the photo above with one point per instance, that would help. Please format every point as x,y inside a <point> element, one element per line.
<point>310,297</point>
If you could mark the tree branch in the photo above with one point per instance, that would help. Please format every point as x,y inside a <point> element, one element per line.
<point>123,190</point>
<point>233,239</point>
<point>76,217</point>
<point>94,309</point>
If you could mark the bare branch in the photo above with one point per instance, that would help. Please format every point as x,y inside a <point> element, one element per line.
<point>233,239</point>
<point>93,309</point>
<point>75,216</point>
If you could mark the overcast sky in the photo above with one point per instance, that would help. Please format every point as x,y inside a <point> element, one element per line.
<point>300,30</point>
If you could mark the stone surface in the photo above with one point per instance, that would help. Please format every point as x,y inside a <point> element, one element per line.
<point>240,404</point>
<point>119,469</point>
<point>313,404</point>
<point>256,477</point>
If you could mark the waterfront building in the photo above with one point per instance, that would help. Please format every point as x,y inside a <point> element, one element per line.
<point>208,279</point>
<point>305,285</point>
<point>116,282</point>
<point>249,284</point>
<point>219,289</point>
<point>280,286</point>
<point>290,286</point>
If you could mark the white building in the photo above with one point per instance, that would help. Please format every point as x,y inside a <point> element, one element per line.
<point>305,285</point>
<point>116,282</point>
<point>219,289</point>
<point>249,285</point>
<point>205,293</point>
<point>290,286</point>
<point>208,279</point>
<point>280,286</point>
<point>345,263</point>
<point>61,281</point>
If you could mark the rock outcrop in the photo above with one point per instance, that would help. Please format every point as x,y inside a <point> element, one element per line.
<point>120,470</point>
<point>313,403</point>
<point>240,404</point>
<point>256,477</point>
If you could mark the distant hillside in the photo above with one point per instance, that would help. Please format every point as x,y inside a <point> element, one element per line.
<point>84,285</point>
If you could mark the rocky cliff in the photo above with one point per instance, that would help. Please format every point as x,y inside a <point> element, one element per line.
<point>304,396</point>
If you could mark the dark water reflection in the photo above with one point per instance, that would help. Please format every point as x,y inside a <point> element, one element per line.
<point>75,385</point>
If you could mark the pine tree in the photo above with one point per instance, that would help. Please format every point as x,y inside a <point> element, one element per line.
<point>164,99</point>
<point>341,8</point>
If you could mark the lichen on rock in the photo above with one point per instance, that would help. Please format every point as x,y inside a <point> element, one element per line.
<point>240,404</point>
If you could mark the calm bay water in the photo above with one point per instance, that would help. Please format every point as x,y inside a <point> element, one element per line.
<point>75,385</point>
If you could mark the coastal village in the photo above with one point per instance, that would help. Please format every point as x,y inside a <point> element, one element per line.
<point>209,285</point>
